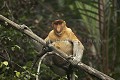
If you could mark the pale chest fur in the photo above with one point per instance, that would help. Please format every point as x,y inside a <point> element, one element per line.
<point>64,46</point>
<point>63,43</point>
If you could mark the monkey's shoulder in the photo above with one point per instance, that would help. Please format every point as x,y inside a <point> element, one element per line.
<point>68,30</point>
<point>52,35</point>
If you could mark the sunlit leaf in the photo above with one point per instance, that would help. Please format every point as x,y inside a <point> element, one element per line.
<point>5,63</point>
<point>18,74</point>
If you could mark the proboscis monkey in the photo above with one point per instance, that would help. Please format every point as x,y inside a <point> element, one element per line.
<point>64,39</point>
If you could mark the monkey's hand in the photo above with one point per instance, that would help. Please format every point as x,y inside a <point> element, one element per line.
<point>70,57</point>
<point>46,48</point>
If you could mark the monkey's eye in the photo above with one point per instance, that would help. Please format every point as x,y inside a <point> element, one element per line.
<point>58,22</point>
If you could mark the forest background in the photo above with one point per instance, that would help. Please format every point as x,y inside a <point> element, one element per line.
<point>94,22</point>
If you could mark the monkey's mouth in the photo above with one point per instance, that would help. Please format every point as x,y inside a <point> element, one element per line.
<point>58,31</point>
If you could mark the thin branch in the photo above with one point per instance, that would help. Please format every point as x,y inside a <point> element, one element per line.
<point>3,5</point>
<point>9,10</point>
<point>41,59</point>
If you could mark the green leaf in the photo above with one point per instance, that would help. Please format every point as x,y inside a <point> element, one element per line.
<point>5,63</point>
<point>24,67</point>
<point>17,46</point>
<point>17,74</point>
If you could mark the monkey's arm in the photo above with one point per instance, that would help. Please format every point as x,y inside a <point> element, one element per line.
<point>48,39</point>
<point>42,50</point>
<point>77,51</point>
<point>78,48</point>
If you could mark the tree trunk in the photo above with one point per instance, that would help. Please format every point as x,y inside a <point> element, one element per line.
<point>104,35</point>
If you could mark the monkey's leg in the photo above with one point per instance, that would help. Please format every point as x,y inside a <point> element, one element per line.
<point>70,73</point>
<point>71,76</point>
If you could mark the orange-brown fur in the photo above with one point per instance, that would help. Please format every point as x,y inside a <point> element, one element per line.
<point>64,41</point>
<point>60,41</point>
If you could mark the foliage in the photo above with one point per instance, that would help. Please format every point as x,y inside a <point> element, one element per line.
<point>89,22</point>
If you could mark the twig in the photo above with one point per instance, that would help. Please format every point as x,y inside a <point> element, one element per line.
<point>9,10</point>
<point>41,59</point>
<point>3,5</point>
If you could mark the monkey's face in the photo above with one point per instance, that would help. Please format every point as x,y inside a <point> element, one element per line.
<point>58,26</point>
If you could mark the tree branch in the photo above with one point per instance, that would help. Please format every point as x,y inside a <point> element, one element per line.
<point>81,65</point>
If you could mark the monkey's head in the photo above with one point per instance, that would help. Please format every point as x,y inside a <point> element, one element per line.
<point>59,26</point>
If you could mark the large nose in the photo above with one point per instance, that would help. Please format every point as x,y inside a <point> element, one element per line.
<point>58,28</point>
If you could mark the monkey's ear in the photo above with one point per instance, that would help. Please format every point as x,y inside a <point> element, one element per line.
<point>64,22</point>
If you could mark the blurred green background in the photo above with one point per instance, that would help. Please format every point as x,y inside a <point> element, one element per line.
<point>95,23</point>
